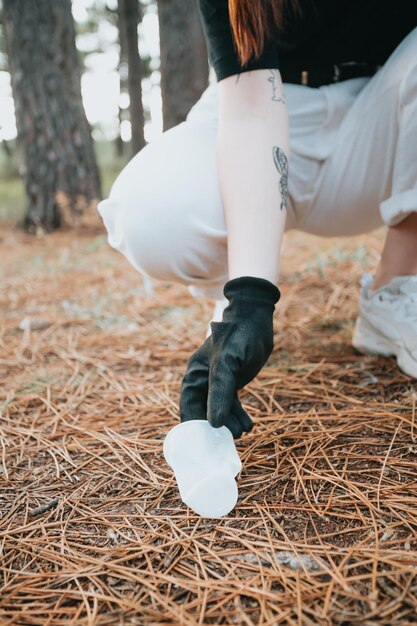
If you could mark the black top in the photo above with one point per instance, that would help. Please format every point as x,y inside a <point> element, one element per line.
<point>328,31</point>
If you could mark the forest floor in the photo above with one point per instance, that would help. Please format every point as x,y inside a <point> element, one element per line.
<point>92,527</point>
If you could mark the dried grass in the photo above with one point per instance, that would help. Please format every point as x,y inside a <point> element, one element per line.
<point>92,527</point>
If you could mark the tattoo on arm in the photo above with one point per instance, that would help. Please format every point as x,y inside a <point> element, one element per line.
<point>273,79</point>
<point>281,163</point>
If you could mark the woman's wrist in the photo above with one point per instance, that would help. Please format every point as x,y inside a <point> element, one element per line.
<point>251,289</point>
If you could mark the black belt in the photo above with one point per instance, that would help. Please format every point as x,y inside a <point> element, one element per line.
<point>324,74</point>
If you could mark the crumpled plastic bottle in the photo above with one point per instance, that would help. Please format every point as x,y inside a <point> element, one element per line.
<point>205,462</point>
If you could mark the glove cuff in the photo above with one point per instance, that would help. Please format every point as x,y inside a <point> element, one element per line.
<point>246,288</point>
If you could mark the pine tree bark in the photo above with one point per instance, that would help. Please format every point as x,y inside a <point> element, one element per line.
<point>184,61</point>
<point>123,72</point>
<point>60,170</point>
<point>129,9</point>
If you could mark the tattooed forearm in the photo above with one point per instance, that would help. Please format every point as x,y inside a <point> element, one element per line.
<point>273,79</point>
<point>281,163</point>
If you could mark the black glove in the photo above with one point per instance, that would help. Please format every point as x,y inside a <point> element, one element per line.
<point>231,356</point>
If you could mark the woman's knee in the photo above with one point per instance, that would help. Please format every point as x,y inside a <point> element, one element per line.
<point>163,209</point>
<point>400,69</point>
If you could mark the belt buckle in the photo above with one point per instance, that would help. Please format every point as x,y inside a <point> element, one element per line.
<point>338,68</point>
<point>336,72</point>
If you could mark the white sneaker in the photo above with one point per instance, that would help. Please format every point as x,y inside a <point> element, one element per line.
<point>387,322</point>
<point>219,307</point>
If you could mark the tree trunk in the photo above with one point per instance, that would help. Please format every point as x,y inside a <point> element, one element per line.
<point>123,72</point>
<point>59,166</point>
<point>184,61</point>
<point>129,13</point>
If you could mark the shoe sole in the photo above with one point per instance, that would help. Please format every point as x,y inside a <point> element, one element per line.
<point>367,341</point>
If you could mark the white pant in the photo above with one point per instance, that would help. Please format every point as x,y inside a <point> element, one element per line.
<point>353,167</point>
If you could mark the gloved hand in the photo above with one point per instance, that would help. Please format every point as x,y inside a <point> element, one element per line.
<point>231,356</point>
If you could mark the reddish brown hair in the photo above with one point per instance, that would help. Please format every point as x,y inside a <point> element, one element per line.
<point>254,21</point>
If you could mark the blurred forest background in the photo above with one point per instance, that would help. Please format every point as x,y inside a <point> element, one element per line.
<point>85,85</point>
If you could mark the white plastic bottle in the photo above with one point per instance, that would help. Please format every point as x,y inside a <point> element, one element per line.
<point>205,462</point>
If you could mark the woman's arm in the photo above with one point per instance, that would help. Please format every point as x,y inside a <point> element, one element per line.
<point>252,151</point>
<point>252,156</point>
